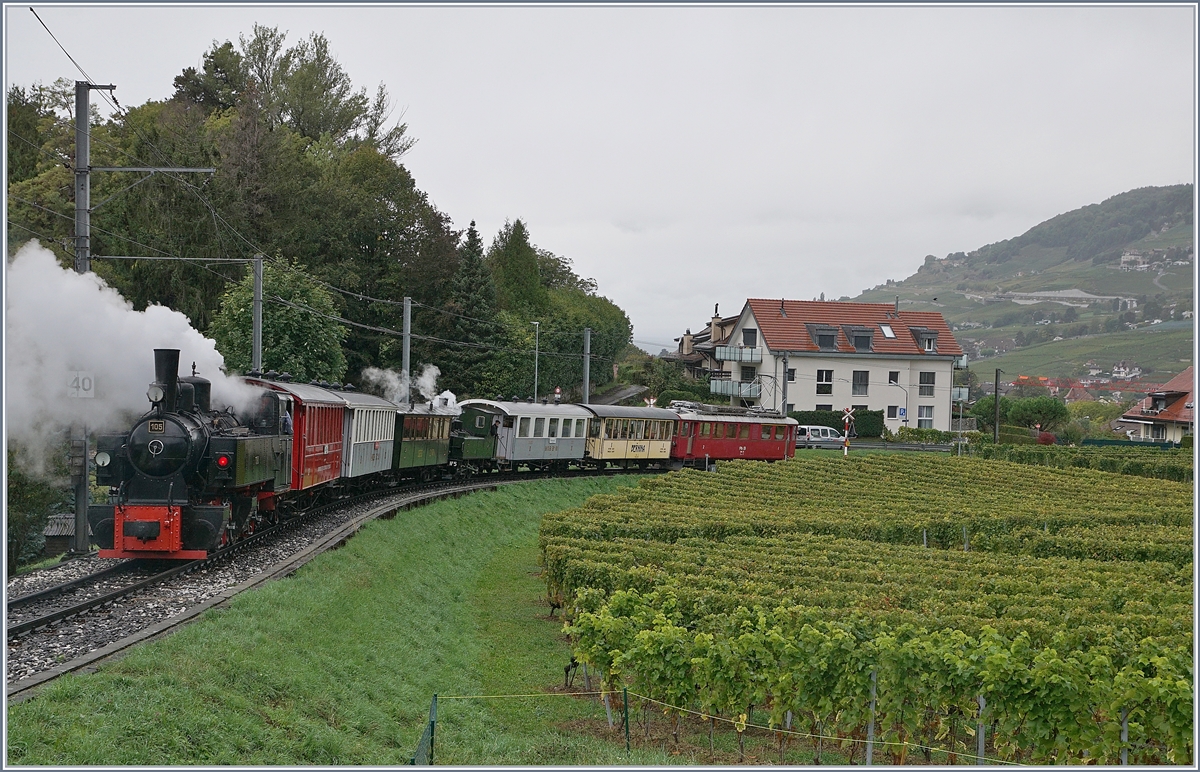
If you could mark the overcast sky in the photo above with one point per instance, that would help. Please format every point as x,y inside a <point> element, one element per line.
<point>686,156</point>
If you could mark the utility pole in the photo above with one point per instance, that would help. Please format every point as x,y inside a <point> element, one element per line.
<point>996,426</point>
<point>783,411</point>
<point>404,351</point>
<point>587,362</point>
<point>83,264</point>
<point>83,235</point>
<point>537,332</point>
<point>256,353</point>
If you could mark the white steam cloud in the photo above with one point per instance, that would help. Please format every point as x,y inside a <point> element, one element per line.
<point>396,386</point>
<point>60,323</point>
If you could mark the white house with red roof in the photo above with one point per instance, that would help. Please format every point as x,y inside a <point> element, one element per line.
<point>868,356</point>
<point>1166,415</point>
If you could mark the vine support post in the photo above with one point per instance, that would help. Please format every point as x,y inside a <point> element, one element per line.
<point>979,739</point>
<point>625,693</point>
<point>1124,737</point>
<point>871,724</point>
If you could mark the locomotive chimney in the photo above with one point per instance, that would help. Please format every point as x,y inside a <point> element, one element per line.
<point>166,374</point>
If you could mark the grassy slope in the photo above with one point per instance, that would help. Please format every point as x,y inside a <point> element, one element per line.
<point>1169,346</point>
<point>337,664</point>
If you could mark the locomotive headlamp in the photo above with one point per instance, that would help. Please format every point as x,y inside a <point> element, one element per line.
<point>222,461</point>
<point>103,459</point>
<point>155,393</point>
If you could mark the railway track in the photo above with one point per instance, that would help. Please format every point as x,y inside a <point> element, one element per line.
<point>161,617</point>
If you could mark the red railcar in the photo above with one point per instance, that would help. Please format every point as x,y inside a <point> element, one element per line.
<point>702,436</point>
<point>317,430</point>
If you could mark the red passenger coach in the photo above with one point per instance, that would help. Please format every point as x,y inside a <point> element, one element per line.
<point>317,430</point>
<point>704,436</point>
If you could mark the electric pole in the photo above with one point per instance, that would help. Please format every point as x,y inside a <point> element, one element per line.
<point>587,362</point>
<point>996,427</point>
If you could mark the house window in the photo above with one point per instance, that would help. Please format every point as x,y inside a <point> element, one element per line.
<point>862,342</point>
<point>894,376</point>
<point>860,408</point>
<point>925,417</point>
<point>887,331</point>
<point>926,389</point>
<point>750,338</point>
<point>827,340</point>
<point>893,411</point>
<point>748,373</point>
<point>824,382</point>
<point>859,386</point>
<point>1158,432</point>
<point>824,407</point>
<point>791,407</point>
<point>791,375</point>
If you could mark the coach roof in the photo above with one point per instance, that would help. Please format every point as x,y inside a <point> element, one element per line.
<point>528,408</point>
<point>622,411</point>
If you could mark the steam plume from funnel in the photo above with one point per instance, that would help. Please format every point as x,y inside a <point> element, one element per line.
<point>60,323</point>
<point>397,385</point>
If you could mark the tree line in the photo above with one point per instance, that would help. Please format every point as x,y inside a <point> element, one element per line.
<point>308,174</point>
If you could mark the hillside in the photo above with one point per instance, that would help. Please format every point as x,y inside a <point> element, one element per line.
<point>1084,286</point>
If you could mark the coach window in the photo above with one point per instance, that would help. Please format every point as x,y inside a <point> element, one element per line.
<point>523,431</point>
<point>718,431</point>
<point>637,430</point>
<point>685,427</point>
<point>766,432</point>
<point>566,427</point>
<point>478,422</point>
<point>731,431</point>
<point>552,430</point>
<point>706,429</point>
<point>539,427</point>
<point>744,434</point>
<point>623,434</point>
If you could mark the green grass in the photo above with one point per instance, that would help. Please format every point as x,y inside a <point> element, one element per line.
<point>337,664</point>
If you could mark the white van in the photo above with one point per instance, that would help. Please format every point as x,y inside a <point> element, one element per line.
<point>818,437</point>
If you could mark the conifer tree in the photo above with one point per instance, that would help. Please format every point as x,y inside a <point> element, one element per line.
<point>471,318</point>
<point>514,264</point>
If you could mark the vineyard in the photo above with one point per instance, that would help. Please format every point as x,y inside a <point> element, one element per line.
<point>1175,464</point>
<point>1050,608</point>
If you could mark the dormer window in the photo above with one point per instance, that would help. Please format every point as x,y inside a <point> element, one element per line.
<point>925,338</point>
<point>862,342</point>
<point>823,335</point>
<point>887,331</point>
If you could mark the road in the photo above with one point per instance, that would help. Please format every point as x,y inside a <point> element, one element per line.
<point>618,395</point>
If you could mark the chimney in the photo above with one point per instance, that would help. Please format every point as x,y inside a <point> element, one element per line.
<point>897,304</point>
<point>685,343</point>
<point>166,374</point>
<point>714,327</point>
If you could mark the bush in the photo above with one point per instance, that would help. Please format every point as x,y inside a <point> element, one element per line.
<point>1046,438</point>
<point>924,436</point>
<point>867,423</point>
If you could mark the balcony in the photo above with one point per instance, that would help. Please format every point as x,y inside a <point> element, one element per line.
<point>729,388</point>
<point>739,354</point>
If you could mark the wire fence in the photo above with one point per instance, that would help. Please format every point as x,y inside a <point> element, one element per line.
<point>740,725</point>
